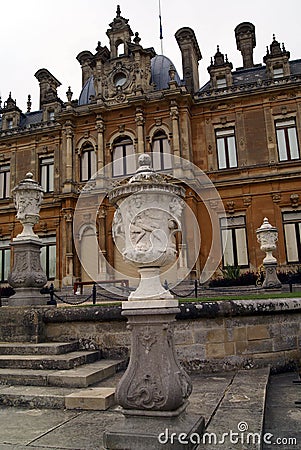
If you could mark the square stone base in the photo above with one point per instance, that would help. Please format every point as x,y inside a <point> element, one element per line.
<point>28,297</point>
<point>150,433</point>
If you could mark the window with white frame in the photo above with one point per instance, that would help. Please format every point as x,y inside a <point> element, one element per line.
<point>124,159</point>
<point>48,256</point>
<point>4,180</point>
<point>4,259</point>
<point>287,140</point>
<point>9,123</point>
<point>161,157</point>
<point>226,148</point>
<point>47,173</point>
<point>234,241</point>
<point>87,162</point>
<point>292,236</point>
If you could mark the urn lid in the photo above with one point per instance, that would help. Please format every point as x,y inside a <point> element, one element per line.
<point>145,179</point>
<point>266,226</point>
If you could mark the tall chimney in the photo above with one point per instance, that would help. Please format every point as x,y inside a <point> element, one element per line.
<point>191,55</point>
<point>246,41</point>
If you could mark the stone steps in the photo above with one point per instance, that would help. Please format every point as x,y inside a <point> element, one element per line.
<point>55,375</point>
<point>43,348</point>
<point>81,376</point>
<point>97,398</point>
<point>61,361</point>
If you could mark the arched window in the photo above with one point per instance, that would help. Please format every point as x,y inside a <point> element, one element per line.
<point>87,162</point>
<point>124,160</point>
<point>161,151</point>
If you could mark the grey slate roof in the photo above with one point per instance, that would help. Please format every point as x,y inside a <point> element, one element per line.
<point>257,73</point>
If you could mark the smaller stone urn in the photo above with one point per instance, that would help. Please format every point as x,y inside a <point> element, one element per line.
<point>27,276</point>
<point>267,236</point>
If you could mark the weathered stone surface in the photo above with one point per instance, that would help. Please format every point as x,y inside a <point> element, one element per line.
<point>98,399</point>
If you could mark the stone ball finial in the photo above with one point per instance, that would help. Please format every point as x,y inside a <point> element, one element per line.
<point>29,175</point>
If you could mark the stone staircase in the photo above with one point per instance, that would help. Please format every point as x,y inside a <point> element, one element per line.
<point>55,375</point>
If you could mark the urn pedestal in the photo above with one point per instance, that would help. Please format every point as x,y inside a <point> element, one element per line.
<point>267,236</point>
<point>154,390</point>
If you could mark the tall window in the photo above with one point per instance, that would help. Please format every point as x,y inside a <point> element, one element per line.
<point>87,162</point>
<point>124,160</point>
<point>288,148</point>
<point>226,148</point>
<point>292,235</point>
<point>46,173</point>
<point>48,256</point>
<point>9,124</point>
<point>161,157</point>
<point>4,181</point>
<point>234,241</point>
<point>4,260</point>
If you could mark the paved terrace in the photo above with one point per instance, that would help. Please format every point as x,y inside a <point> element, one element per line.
<point>243,401</point>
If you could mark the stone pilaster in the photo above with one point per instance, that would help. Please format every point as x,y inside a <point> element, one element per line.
<point>140,130</point>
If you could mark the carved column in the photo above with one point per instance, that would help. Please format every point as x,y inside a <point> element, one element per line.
<point>100,127</point>
<point>69,156</point>
<point>68,278</point>
<point>102,243</point>
<point>140,131</point>
<point>174,114</point>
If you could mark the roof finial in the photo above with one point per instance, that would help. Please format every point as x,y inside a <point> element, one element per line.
<point>217,49</point>
<point>137,39</point>
<point>118,12</point>
<point>274,37</point>
<point>69,94</point>
<point>29,103</point>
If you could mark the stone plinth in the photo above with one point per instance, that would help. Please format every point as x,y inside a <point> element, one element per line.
<point>27,276</point>
<point>153,391</point>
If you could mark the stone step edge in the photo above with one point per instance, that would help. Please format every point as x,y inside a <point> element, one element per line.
<point>49,362</point>
<point>41,348</point>
<point>97,399</point>
<point>80,376</point>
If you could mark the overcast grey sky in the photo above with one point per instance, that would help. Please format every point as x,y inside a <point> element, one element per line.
<point>37,34</point>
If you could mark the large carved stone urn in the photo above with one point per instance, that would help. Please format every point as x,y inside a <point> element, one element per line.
<point>147,217</point>
<point>27,276</point>
<point>267,236</point>
<point>153,391</point>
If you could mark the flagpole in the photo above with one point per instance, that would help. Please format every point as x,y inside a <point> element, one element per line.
<point>161,33</point>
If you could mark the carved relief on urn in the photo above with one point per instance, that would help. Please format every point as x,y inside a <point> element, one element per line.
<point>28,196</point>
<point>147,217</point>
<point>267,236</point>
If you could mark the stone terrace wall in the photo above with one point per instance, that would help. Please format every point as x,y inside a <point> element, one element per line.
<point>211,336</point>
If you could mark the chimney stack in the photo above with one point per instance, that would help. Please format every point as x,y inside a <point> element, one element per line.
<point>246,41</point>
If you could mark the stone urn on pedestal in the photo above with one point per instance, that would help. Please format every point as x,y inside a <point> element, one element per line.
<point>27,276</point>
<point>267,236</point>
<point>153,391</point>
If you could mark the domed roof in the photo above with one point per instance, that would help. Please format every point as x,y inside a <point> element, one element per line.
<point>160,66</point>
<point>87,91</point>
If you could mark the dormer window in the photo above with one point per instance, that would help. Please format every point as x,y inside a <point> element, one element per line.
<point>51,115</point>
<point>9,124</point>
<point>278,72</point>
<point>221,82</point>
